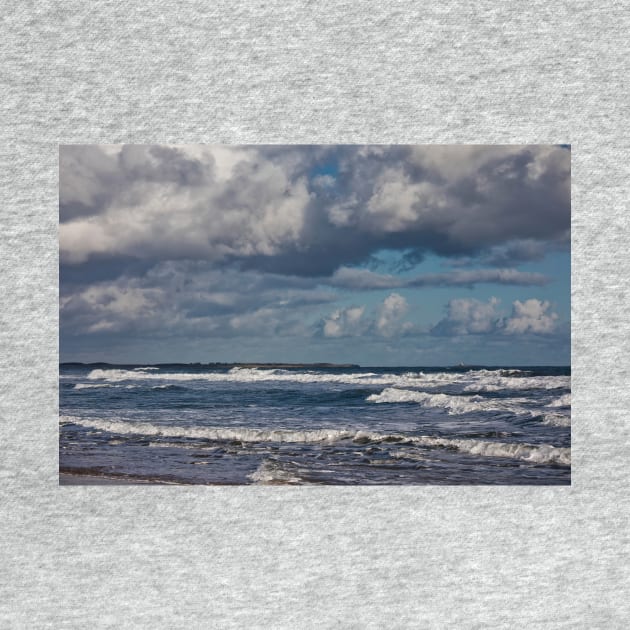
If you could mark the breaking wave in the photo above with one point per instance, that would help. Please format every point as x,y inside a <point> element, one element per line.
<point>275,472</point>
<point>557,419</point>
<point>473,380</point>
<point>563,401</point>
<point>536,453</point>
<point>496,383</point>
<point>253,375</point>
<point>453,404</point>
<point>100,385</point>
<point>241,434</point>
<point>169,387</point>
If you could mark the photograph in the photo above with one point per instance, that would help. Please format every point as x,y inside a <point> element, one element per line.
<point>315,314</point>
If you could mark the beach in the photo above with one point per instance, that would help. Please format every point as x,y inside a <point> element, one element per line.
<point>90,480</point>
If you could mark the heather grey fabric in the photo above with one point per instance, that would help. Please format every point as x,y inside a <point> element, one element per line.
<point>327,72</point>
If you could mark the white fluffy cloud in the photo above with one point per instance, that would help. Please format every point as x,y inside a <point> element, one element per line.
<point>531,316</point>
<point>473,317</point>
<point>386,321</point>
<point>467,316</point>
<point>345,322</point>
<point>391,313</point>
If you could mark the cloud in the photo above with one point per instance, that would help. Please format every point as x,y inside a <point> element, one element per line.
<point>531,316</point>
<point>473,317</point>
<point>258,242</point>
<point>267,208</point>
<point>516,252</point>
<point>469,317</point>
<point>391,313</point>
<point>349,278</point>
<point>187,299</point>
<point>163,204</point>
<point>386,321</point>
<point>345,322</point>
<point>363,279</point>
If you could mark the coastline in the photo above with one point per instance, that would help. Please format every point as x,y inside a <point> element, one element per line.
<point>67,479</point>
<point>72,479</point>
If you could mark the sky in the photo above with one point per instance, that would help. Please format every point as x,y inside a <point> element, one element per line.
<point>377,255</point>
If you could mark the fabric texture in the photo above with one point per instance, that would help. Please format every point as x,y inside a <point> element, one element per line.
<point>328,72</point>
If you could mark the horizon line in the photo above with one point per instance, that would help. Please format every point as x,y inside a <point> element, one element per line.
<point>313,363</point>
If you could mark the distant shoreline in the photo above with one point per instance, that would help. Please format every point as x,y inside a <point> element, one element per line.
<point>216,365</point>
<point>288,366</point>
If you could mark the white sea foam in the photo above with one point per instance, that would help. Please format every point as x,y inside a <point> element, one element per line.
<point>182,445</point>
<point>453,404</point>
<point>538,453</point>
<point>241,434</point>
<point>274,472</point>
<point>110,386</point>
<point>563,401</point>
<point>253,375</point>
<point>557,419</point>
<point>99,385</point>
<point>473,380</point>
<point>410,453</point>
<point>495,382</point>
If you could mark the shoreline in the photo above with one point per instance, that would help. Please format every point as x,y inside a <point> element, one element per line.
<point>70,364</point>
<point>81,479</point>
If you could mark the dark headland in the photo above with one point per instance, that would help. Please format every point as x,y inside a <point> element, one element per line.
<point>283,366</point>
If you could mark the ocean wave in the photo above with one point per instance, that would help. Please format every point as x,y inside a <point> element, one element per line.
<point>249,375</point>
<point>275,472</point>
<point>497,383</point>
<point>473,380</point>
<point>453,404</point>
<point>537,453</point>
<point>563,401</point>
<point>167,387</point>
<point>556,419</point>
<point>182,445</point>
<point>240,434</point>
<point>99,385</point>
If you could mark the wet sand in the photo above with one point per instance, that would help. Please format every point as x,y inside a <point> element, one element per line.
<point>89,480</point>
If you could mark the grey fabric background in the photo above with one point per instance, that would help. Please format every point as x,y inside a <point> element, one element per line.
<point>327,72</point>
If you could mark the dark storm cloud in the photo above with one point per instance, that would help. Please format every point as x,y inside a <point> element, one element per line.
<point>309,210</point>
<point>192,299</point>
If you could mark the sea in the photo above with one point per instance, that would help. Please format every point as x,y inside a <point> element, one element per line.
<point>316,425</point>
